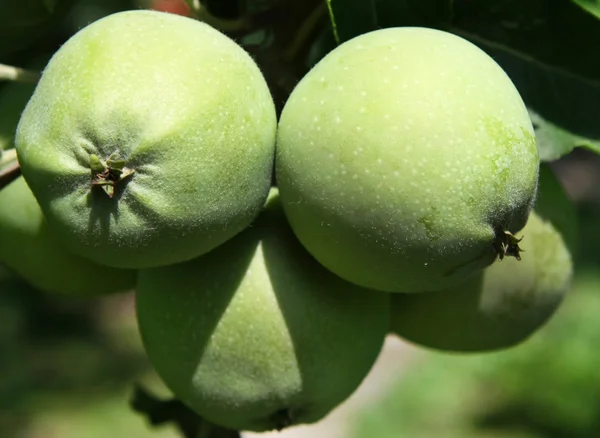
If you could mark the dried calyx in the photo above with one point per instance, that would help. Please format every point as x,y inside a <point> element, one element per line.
<point>108,174</point>
<point>507,245</point>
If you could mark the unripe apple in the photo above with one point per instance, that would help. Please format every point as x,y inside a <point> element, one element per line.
<point>498,308</point>
<point>30,249</point>
<point>406,160</point>
<point>256,335</point>
<point>149,140</point>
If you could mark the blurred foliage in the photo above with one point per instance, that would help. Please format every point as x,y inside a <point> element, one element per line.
<point>547,387</point>
<point>56,350</point>
<point>23,22</point>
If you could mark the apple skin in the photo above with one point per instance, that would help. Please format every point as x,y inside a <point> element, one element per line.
<point>496,309</point>
<point>402,156</point>
<point>30,249</point>
<point>186,108</point>
<point>256,335</point>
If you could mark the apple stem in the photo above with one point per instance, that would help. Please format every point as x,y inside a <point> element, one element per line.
<point>10,73</point>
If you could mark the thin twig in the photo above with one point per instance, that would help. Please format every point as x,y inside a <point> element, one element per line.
<point>9,174</point>
<point>10,73</point>
<point>333,22</point>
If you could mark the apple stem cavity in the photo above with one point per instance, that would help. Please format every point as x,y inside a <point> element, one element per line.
<point>507,245</point>
<point>108,174</point>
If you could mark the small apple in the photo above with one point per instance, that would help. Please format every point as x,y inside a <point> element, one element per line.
<point>256,335</point>
<point>406,160</point>
<point>149,140</point>
<point>31,250</point>
<point>498,308</point>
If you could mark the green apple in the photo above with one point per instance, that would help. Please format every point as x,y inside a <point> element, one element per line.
<point>30,249</point>
<point>149,140</point>
<point>498,308</point>
<point>406,160</point>
<point>256,335</point>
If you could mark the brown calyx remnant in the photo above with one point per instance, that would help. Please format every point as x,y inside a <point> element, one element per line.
<point>107,174</point>
<point>507,245</point>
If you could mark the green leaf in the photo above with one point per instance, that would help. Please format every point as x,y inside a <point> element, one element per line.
<point>23,22</point>
<point>564,108</point>
<point>425,13</point>
<point>554,205</point>
<point>555,33</point>
<point>50,5</point>
<point>591,6</point>
<point>351,18</point>
<point>554,141</point>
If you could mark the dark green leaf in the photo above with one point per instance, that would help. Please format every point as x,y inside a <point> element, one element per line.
<point>555,33</point>
<point>554,205</point>
<point>564,108</point>
<point>592,6</point>
<point>351,18</point>
<point>50,5</point>
<point>227,9</point>
<point>322,45</point>
<point>23,21</point>
<point>425,13</point>
<point>554,141</point>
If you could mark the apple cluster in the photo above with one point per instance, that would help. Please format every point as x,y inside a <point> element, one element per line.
<point>407,174</point>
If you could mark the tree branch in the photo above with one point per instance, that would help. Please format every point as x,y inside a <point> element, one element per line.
<point>9,174</point>
<point>10,73</point>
